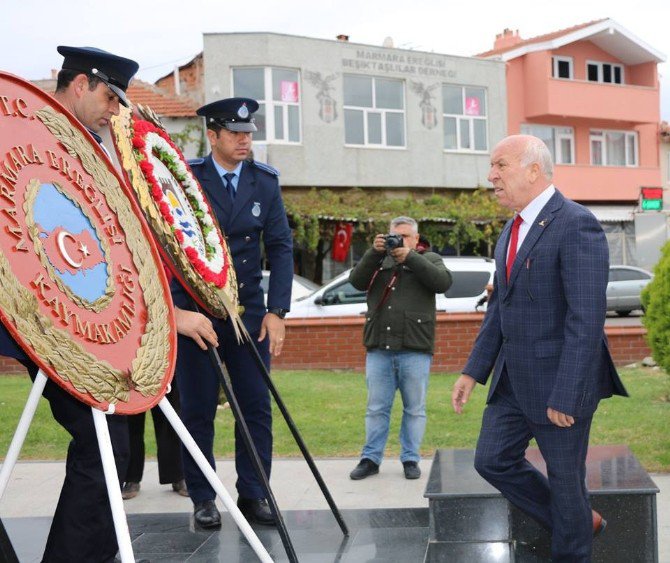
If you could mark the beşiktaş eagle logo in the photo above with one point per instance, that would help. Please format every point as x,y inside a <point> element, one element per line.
<point>70,243</point>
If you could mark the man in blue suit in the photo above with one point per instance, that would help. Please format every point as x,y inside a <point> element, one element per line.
<point>246,198</point>
<point>543,337</point>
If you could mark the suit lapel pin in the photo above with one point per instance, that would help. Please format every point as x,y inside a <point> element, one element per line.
<point>543,223</point>
<point>256,209</point>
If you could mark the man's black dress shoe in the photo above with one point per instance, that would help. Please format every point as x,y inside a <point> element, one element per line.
<point>256,510</point>
<point>411,469</point>
<point>365,468</point>
<point>206,514</point>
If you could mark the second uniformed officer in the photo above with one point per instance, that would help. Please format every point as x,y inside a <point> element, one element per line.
<point>246,199</point>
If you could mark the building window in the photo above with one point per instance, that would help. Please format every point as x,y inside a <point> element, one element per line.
<point>614,148</point>
<point>374,111</point>
<point>464,116</point>
<point>562,67</point>
<point>559,140</point>
<point>604,72</point>
<point>277,90</point>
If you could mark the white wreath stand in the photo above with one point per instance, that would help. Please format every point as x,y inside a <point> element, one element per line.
<point>112,478</point>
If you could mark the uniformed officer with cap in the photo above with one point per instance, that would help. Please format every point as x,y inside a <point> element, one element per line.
<point>90,85</point>
<point>246,199</point>
<point>113,71</point>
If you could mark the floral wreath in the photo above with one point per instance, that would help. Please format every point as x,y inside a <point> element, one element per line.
<point>148,140</point>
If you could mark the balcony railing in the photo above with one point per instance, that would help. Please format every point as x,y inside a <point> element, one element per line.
<point>592,100</point>
<point>604,183</point>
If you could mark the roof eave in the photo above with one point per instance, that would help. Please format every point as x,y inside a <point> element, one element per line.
<point>579,35</point>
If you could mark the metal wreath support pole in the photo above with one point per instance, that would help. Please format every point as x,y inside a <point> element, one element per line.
<point>298,438</point>
<point>214,480</point>
<point>7,552</point>
<point>113,488</point>
<point>251,450</point>
<point>22,430</point>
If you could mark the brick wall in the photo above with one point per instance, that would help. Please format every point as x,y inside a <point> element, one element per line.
<point>335,343</point>
<point>8,365</point>
<point>191,78</point>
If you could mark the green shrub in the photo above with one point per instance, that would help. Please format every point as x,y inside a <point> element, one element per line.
<point>656,301</point>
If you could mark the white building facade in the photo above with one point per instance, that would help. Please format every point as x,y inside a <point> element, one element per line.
<point>338,114</point>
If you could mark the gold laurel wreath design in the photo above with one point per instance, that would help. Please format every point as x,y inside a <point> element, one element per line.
<point>28,206</point>
<point>220,302</point>
<point>72,363</point>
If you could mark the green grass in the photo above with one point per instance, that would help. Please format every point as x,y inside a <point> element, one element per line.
<point>328,408</point>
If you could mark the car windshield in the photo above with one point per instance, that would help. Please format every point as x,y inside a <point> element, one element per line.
<point>467,284</point>
<point>302,287</point>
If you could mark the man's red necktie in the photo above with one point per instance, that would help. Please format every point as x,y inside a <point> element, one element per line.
<point>513,243</point>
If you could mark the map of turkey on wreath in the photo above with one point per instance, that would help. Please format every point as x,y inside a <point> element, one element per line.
<point>70,243</point>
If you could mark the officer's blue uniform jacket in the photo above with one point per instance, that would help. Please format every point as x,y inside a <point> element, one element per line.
<point>256,213</point>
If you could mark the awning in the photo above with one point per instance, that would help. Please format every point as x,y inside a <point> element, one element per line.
<point>613,213</point>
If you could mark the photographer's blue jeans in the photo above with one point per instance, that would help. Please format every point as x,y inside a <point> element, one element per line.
<point>386,371</point>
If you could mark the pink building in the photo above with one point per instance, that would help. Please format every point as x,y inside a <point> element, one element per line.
<point>592,93</point>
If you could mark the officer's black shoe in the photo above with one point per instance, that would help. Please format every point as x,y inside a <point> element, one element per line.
<point>206,514</point>
<point>365,468</point>
<point>130,490</point>
<point>411,469</point>
<point>256,510</point>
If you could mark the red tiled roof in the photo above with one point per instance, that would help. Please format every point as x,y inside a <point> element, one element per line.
<point>165,105</point>
<point>540,38</point>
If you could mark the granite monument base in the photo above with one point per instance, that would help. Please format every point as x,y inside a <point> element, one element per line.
<point>470,521</point>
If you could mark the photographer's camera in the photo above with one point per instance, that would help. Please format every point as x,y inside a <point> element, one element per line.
<point>392,242</point>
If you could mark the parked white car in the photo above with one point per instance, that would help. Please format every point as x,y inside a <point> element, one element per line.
<point>339,298</point>
<point>302,287</point>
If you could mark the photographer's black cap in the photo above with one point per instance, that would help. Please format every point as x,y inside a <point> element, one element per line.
<point>234,114</point>
<point>116,72</point>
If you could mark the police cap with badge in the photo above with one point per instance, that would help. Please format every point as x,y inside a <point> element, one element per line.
<point>234,114</point>
<point>114,71</point>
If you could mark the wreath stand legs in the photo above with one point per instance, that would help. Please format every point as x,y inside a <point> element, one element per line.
<point>111,475</point>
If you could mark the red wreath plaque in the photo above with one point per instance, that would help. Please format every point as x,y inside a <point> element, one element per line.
<point>83,288</point>
<point>178,212</point>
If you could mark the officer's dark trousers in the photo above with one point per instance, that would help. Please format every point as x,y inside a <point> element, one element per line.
<point>168,444</point>
<point>199,385</point>
<point>82,527</point>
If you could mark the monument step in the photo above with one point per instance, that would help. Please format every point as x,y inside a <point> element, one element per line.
<point>466,513</point>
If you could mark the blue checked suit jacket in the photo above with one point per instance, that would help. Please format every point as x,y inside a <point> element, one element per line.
<point>546,326</point>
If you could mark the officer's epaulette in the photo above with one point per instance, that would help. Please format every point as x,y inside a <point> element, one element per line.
<point>265,167</point>
<point>195,161</point>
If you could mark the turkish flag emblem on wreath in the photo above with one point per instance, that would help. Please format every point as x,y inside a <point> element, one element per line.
<point>342,241</point>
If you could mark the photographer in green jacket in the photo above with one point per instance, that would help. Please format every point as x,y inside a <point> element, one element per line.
<point>399,334</point>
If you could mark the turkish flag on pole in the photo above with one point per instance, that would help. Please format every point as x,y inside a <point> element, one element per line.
<point>342,241</point>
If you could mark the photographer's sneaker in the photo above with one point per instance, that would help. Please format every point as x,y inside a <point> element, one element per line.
<point>365,468</point>
<point>411,469</point>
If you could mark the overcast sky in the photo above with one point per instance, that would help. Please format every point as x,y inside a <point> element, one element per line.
<point>161,34</point>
